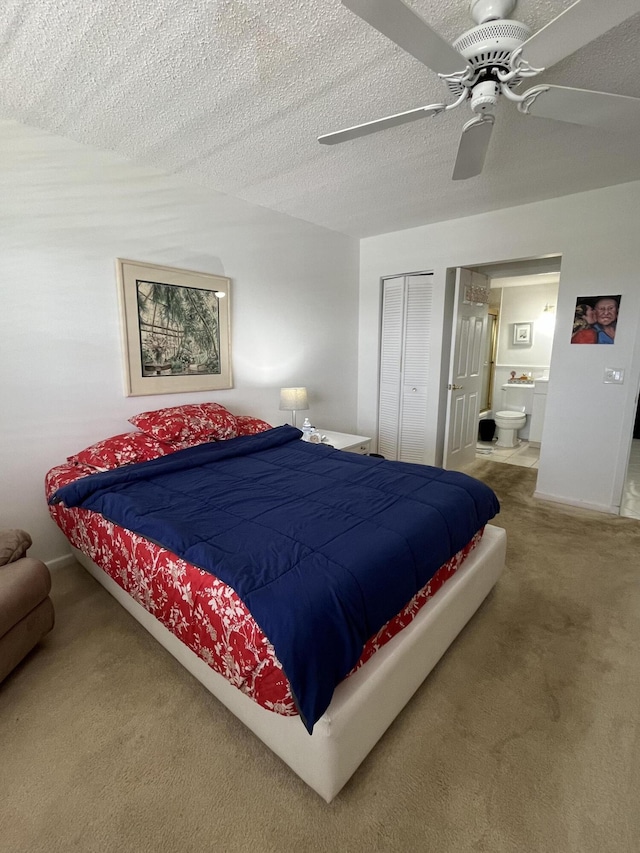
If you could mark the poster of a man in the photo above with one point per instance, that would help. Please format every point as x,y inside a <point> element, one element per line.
<point>595,319</point>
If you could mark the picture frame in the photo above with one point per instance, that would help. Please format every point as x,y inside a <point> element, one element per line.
<point>522,334</point>
<point>175,326</point>
<point>595,319</point>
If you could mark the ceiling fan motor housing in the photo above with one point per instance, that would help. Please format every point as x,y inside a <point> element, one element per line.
<point>489,46</point>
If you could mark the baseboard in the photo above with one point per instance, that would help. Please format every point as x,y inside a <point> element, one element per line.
<point>610,510</point>
<point>60,562</point>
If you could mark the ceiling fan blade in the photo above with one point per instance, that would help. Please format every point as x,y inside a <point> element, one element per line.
<point>474,143</point>
<point>578,25</point>
<point>592,109</point>
<point>379,124</point>
<point>399,23</point>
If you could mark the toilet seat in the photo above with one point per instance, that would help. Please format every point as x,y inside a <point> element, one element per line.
<point>510,416</point>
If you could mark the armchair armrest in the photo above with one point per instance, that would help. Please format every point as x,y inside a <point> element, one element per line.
<point>14,544</point>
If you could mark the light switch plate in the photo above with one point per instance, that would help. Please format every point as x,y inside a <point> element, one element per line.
<point>613,375</point>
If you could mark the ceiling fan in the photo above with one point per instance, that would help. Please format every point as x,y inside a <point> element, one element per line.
<point>494,58</point>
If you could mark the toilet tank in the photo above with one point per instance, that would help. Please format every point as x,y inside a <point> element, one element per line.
<point>518,397</point>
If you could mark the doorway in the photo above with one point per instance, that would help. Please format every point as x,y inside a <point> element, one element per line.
<point>523,292</point>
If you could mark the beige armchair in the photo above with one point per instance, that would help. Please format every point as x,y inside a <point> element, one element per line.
<point>26,611</point>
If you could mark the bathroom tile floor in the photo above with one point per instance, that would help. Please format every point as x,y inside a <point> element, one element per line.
<point>523,455</point>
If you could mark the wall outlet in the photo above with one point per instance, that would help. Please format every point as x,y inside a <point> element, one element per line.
<point>613,375</point>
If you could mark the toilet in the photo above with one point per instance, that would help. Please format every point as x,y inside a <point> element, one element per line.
<point>508,424</point>
<point>517,405</point>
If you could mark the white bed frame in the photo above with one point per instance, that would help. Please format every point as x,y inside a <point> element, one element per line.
<point>366,703</point>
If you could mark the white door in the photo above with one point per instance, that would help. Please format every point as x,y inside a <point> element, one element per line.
<point>470,313</point>
<point>407,305</point>
<point>415,369</point>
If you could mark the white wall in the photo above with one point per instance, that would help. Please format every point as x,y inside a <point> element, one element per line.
<point>588,424</point>
<point>67,213</point>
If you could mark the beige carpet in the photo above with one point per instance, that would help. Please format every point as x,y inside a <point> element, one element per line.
<point>524,738</point>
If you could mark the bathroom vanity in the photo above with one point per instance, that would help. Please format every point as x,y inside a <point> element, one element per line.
<point>540,389</point>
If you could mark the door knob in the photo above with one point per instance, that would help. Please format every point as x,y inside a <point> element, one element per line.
<point>455,387</point>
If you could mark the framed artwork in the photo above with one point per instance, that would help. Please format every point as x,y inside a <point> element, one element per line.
<point>522,334</point>
<point>175,329</point>
<point>595,319</point>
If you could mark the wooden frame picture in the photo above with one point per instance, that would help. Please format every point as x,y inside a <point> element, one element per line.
<point>522,334</point>
<point>175,329</point>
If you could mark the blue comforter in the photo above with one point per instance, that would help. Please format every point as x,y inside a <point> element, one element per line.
<point>323,546</point>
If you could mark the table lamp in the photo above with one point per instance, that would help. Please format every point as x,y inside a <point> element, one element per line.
<point>293,400</point>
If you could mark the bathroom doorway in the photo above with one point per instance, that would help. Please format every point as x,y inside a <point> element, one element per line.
<point>521,293</point>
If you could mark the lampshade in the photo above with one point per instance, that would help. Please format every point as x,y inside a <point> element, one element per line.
<point>293,399</point>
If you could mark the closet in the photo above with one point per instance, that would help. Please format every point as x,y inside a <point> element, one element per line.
<point>405,346</point>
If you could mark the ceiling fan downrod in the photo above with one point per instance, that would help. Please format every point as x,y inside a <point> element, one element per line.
<point>482,11</point>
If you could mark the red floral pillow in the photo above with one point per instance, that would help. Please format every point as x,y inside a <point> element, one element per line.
<point>249,426</point>
<point>123,449</point>
<point>194,422</point>
<point>182,445</point>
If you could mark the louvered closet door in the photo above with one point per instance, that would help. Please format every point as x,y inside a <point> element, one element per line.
<point>417,343</point>
<point>404,367</point>
<point>391,343</point>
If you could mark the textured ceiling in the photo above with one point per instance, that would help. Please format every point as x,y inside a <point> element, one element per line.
<point>231,95</point>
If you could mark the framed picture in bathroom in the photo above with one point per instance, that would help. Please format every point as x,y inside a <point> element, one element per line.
<point>522,334</point>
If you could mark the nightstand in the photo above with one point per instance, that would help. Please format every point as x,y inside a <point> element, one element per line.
<point>345,441</point>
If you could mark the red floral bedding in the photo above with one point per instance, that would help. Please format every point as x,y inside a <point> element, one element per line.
<point>198,608</point>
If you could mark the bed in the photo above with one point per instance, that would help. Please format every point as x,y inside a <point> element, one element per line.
<point>323,736</point>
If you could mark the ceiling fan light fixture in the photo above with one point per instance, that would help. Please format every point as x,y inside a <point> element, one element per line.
<point>484,97</point>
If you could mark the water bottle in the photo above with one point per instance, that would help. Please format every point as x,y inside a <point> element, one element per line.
<point>307,429</point>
